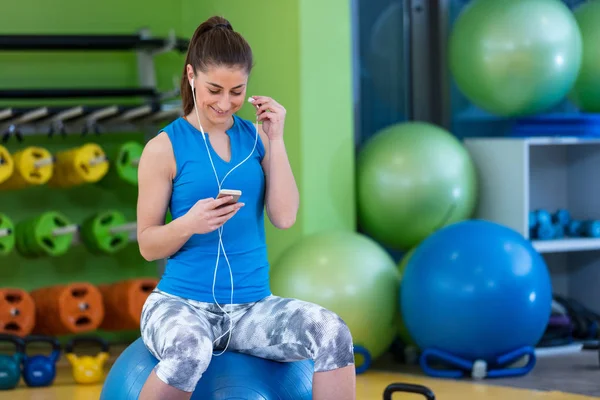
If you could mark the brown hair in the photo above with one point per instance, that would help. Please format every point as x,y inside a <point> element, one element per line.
<point>214,43</point>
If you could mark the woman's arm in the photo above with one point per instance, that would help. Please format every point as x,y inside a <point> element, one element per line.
<point>281,197</point>
<point>155,176</point>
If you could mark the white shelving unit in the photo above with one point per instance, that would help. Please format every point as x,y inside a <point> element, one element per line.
<point>517,175</point>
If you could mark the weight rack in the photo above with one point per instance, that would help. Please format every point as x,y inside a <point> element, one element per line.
<point>77,117</point>
<point>129,109</point>
<point>21,121</point>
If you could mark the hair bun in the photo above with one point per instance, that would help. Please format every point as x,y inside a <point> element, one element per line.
<point>213,23</point>
<point>218,22</point>
<point>221,25</point>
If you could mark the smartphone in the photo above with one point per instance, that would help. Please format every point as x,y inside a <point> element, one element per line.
<point>230,192</point>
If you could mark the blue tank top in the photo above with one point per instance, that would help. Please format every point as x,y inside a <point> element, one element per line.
<point>189,272</point>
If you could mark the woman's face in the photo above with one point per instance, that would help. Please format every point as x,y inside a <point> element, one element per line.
<point>220,92</point>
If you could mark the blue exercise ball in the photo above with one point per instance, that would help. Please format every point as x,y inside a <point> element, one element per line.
<point>231,375</point>
<point>476,289</point>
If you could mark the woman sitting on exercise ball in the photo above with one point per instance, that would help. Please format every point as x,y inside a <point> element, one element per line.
<point>198,308</point>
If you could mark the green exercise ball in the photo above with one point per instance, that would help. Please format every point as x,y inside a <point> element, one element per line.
<point>515,57</point>
<point>586,92</point>
<point>386,56</point>
<point>412,179</point>
<point>349,274</point>
<point>403,332</point>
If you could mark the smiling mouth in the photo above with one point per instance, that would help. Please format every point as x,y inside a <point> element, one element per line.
<point>217,111</point>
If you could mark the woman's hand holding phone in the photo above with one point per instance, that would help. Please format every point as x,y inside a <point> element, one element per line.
<point>210,214</point>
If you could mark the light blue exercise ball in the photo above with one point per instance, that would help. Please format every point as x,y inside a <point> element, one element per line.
<point>476,289</point>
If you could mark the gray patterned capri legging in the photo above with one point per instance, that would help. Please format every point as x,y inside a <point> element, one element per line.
<point>182,334</point>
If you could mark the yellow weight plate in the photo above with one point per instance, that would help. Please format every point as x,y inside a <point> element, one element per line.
<point>80,165</point>
<point>7,165</point>
<point>91,162</point>
<point>33,166</point>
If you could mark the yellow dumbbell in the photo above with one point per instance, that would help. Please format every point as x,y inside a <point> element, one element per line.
<point>80,165</point>
<point>33,166</point>
<point>7,165</point>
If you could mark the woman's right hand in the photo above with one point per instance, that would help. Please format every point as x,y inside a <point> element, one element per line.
<point>210,214</point>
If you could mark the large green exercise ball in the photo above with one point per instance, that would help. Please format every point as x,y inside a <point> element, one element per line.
<point>386,57</point>
<point>412,179</point>
<point>586,92</point>
<point>515,57</point>
<point>349,274</point>
<point>403,332</point>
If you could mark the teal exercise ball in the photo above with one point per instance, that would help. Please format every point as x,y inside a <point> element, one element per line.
<point>349,274</point>
<point>412,179</point>
<point>586,92</point>
<point>515,57</point>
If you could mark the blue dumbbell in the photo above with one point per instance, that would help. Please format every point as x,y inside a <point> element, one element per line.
<point>574,228</point>
<point>561,216</point>
<point>544,231</point>
<point>543,217</point>
<point>559,231</point>
<point>591,228</point>
<point>532,220</point>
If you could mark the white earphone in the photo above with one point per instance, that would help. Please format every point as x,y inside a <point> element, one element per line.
<point>220,229</point>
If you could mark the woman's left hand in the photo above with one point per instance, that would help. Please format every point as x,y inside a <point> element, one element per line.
<point>272,115</point>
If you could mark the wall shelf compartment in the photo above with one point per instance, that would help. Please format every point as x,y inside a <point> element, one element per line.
<point>519,175</point>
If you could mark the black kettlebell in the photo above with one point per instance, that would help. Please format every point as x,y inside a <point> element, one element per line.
<point>40,370</point>
<point>408,388</point>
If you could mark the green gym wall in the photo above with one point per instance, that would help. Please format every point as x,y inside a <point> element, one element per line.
<point>310,76</point>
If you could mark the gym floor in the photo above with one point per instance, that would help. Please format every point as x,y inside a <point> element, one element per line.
<point>370,386</point>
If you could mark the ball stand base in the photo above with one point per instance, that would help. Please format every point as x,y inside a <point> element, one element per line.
<point>458,367</point>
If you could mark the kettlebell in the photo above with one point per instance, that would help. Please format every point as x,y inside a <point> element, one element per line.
<point>10,366</point>
<point>87,369</point>
<point>40,370</point>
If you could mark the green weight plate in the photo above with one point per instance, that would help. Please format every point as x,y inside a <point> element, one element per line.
<point>97,236</point>
<point>126,161</point>
<point>43,241</point>
<point>7,243</point>
<point>123,168</point>
<point>35,247</point>
<point>23,231</point>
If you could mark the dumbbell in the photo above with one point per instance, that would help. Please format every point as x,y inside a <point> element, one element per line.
<point>48,234</point>
<point>543,232</point>
<point>561,217</point>
<point>80,165</point>
<point>106,232</point>
<point>87,369</point>
<point>574,228</point>
<point>125,158</point>
<point>544,225</point>
<point>33,166</point>
<point>10,365</point>
<point>7,235</point>
<point>40,370</point>
<point>7,165</point>
<point>559,231</point>
<point>588,228</point>
<point>539,217</point>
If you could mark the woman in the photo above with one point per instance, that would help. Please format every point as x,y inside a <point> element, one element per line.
<point>215,293</point>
